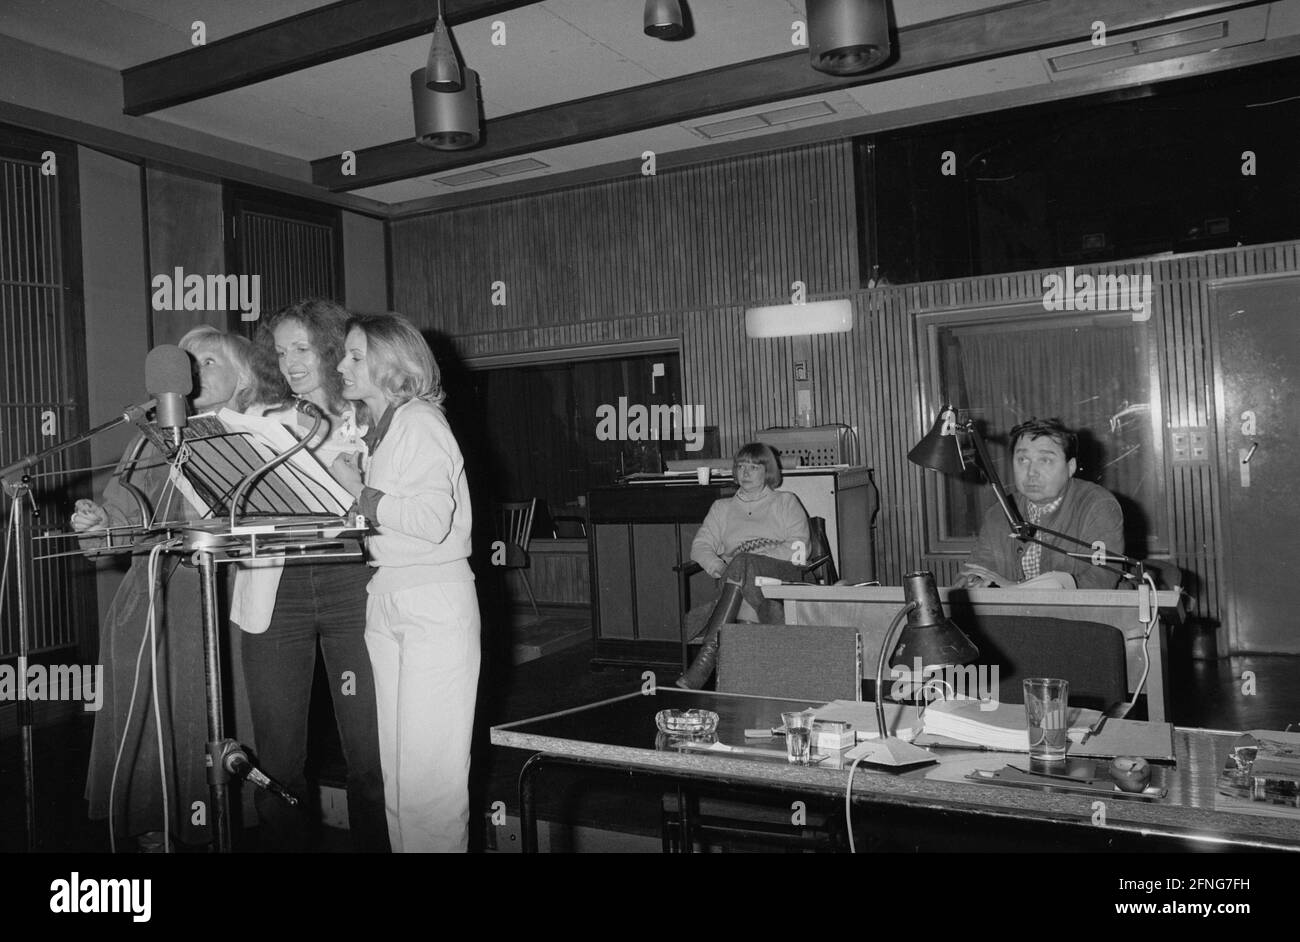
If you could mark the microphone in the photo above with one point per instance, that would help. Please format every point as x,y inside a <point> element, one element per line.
<point>169,378</point>
<point>309,409</point>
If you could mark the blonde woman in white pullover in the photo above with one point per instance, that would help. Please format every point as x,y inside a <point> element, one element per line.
<point>422,617</point>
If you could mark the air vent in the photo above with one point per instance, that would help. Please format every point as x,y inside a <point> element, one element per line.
<point>482,174</point>
<point>517,166</point>
<point>1158,45</point>
<point>464,179</point>
<point>765,119</point>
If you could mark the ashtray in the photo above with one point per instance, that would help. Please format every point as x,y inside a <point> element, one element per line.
<point>687,722</point>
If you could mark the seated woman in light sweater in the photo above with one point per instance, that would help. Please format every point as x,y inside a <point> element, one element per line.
<point>759,531</point>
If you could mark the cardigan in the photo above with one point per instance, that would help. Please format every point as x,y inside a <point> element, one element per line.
<point>1088,512</point>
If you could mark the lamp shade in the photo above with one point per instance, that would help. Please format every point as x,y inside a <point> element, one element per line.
<point>928,635</point>
<point>940,450</point>
<point>797,320</point>
<point>443,72</point>
<point>446,120</point>
<point>663,19</point>
<point>848,37</point>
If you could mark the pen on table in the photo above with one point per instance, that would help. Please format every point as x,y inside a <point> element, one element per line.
<point>1095,728</point>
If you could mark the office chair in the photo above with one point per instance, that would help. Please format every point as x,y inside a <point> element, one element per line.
<point>799,662</point>
<point>1090,655</point>
<point>819,569</point>
<point>516,518</point>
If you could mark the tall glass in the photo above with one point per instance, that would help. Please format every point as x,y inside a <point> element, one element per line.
<point>1047,701</point>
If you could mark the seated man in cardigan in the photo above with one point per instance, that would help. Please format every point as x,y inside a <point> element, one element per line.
<point>1049,495</point>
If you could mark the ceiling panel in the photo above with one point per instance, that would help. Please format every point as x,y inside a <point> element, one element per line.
<point>555,51</point>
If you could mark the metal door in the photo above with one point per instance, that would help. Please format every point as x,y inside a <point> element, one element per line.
<point>1257,362</point>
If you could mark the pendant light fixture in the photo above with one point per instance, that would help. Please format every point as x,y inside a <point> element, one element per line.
<point>663,19</point>
<point>443,72</point>
<point>848,37</point>
<point>446,120</point>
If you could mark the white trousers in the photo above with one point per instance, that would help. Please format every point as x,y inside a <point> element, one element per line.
<point>424,647</point>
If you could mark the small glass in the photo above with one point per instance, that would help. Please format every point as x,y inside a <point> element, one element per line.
<point>702,474</point>
<point>1047,701</point>
<point>798,736</point>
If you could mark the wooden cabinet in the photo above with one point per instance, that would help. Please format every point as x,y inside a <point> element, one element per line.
<point>639,532</point>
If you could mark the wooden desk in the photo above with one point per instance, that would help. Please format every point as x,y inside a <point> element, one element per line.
<point>871,608</point>
<point>619,735</point>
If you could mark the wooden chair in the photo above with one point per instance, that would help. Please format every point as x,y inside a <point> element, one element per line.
<point>516,518</point>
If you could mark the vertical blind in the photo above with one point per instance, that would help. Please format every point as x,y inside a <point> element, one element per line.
<point>295,258</point>
<point>37,395</point>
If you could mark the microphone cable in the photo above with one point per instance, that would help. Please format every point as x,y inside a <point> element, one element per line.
<point>148,636</point>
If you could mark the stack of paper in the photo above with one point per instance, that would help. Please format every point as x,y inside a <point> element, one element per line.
<point>1002,728</point>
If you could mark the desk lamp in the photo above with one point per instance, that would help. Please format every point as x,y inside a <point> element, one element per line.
<point>952,446</point>
<point>928,637</point>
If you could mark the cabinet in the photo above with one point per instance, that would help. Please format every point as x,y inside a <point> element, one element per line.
<point>640,531</point>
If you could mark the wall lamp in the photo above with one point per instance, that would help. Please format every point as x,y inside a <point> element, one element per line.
<point>799,320</point>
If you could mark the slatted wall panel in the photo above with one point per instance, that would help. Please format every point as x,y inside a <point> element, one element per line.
<point>294,258</point>
<point>37,393</point>
<point>696,246</point>
<point>708,236</point>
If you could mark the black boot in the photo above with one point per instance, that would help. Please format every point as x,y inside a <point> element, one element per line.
<point>701,669</point>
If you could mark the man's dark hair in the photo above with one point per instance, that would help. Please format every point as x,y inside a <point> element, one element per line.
<point>1053,428</point>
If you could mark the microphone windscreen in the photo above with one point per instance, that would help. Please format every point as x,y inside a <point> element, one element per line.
<point>167,369</point>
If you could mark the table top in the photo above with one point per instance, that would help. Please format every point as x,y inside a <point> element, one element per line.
<point>621,731</point>
<point>1166,600</point>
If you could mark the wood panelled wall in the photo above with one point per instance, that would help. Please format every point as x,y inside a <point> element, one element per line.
<point>681,256</point>
<point>725,233</point>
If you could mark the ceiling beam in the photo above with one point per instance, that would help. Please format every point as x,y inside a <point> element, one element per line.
<point>1024,26</point>
<point>298,42</point>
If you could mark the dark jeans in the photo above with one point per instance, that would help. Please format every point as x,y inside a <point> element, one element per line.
<point>323,602</point>
<point>742,570</point>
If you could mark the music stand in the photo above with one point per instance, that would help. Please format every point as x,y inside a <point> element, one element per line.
<point>290,505</point>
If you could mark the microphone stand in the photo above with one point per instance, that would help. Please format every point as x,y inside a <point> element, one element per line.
<point>1029,532</point>
<point>226,756</point>
<point>21,491</point>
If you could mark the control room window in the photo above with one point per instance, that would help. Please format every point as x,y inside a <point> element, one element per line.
<point>1096,372</point>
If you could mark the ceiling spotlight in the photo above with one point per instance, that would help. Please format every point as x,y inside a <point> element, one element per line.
<point>443,72</point>
<point>848,37</point>
<point>446,120</point>
<point>663,19</point>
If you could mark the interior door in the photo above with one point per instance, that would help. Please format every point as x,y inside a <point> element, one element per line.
<point>1257,329</point>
